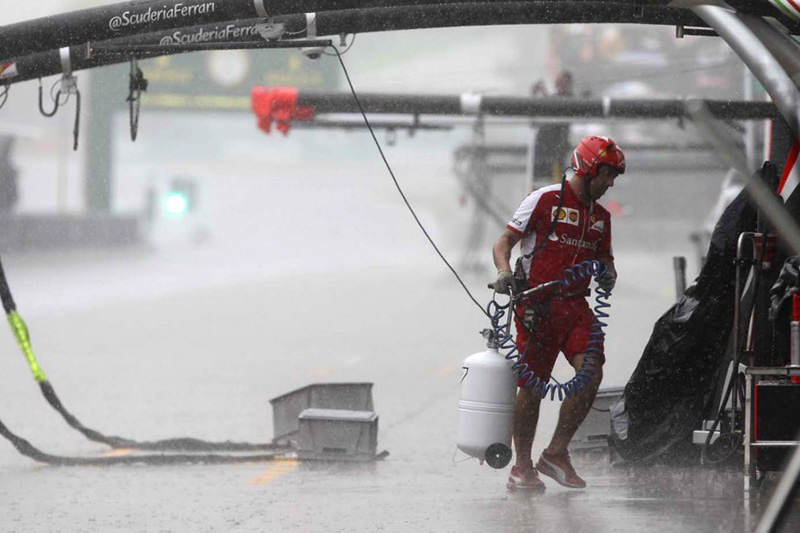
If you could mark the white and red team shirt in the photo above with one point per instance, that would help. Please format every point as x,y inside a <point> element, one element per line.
<point>580,234</point>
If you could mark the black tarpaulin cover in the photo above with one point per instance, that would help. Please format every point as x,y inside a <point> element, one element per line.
<point>672,387</point>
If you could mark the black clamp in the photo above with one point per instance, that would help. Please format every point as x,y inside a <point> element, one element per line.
<point>137,85</point>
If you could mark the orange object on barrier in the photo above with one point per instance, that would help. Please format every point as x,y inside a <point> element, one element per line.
<point>278,105</point>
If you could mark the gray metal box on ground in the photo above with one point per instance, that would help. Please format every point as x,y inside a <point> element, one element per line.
<point>286,408</point>
<point>338,434</point>
<point>594,431</point>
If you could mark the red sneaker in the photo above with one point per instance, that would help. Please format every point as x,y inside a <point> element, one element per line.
<point>524,478</point>
<point>559,468</point>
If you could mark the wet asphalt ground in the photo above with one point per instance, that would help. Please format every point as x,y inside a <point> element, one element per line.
<point>204,362</point>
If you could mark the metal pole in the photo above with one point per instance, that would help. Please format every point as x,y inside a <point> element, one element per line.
<point>100,50</point>
<point>530,163</point>
<point>784,49</point>
<point>737,312</point>
<point>679,266</point>
<point>749,127</point>
<point>748,437</point>
<point>519,106</point>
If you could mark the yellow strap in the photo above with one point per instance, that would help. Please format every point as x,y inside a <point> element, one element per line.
<point>20,331</point>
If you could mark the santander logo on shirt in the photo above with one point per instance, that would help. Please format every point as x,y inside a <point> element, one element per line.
<point>579,243</point>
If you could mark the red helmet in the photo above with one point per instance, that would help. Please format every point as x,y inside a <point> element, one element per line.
<point>592,152</point>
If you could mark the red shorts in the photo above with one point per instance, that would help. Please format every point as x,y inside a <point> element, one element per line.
<point>565,326</point>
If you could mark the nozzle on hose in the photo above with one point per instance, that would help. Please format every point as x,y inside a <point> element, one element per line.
<point>489,335</point>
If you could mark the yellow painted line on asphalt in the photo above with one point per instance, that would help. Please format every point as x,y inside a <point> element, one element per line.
<point>275,470</point>
<point>118,452</point>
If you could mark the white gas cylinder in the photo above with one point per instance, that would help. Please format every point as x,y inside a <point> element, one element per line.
<point>488,389</point>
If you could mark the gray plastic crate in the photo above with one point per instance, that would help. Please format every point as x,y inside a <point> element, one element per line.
<point>593,433</point>
<point>286,408</point>
<point>337,434</point>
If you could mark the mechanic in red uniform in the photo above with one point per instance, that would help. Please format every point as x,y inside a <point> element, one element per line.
<point>556,233</point>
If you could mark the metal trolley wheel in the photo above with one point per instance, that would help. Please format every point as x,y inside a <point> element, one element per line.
<point>498,455</point>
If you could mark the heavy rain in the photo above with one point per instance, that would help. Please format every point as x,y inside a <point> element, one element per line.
<point>246,248</point>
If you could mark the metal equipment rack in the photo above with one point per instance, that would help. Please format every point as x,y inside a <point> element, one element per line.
<point>751,376</point>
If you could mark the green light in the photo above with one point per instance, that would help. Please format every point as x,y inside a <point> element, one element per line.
<point>176,203</point>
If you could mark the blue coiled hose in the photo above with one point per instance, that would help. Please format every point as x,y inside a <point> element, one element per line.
<point>508,348</point>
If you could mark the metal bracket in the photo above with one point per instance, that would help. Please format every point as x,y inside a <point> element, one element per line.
<point>69,83</point>
<point>682,31</point>
<point>69,87</point>
<point>311,25</point>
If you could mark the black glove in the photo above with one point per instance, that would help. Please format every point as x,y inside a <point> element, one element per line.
<point>504,280</point>
<point>607,280</point>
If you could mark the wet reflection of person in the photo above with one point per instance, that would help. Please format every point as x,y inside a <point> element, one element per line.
<point>8,176</point>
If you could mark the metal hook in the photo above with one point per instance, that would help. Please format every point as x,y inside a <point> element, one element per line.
<point>48,114</point>
<point>69,86</point>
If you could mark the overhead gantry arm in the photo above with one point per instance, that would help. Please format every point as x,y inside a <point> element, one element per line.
<point>137,17</point>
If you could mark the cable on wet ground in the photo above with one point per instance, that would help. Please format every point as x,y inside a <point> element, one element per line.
<point>187,444</point>
<point>27,449</point>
